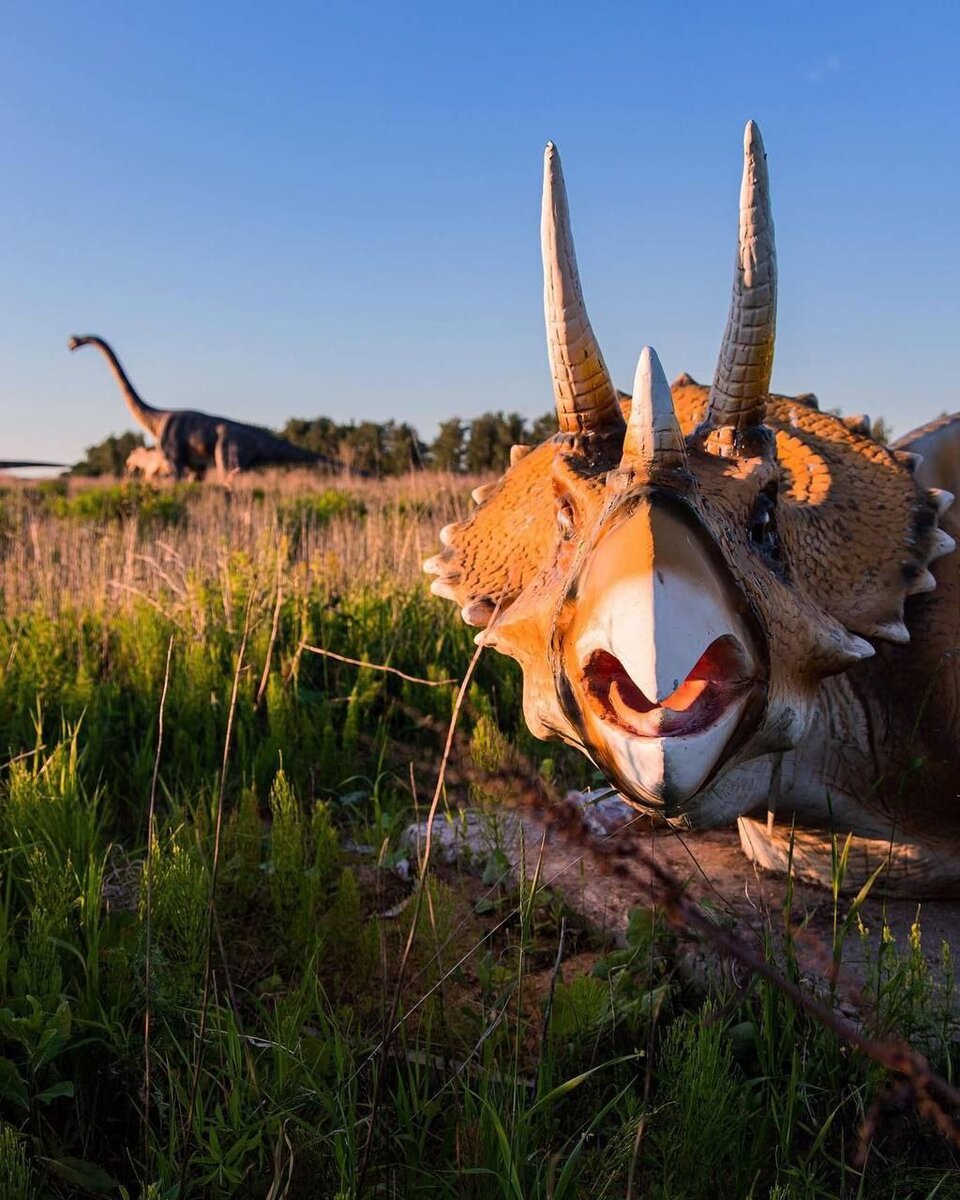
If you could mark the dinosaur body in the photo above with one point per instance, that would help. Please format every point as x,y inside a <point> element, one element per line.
<point>729,600</point>
<point>193,441</point>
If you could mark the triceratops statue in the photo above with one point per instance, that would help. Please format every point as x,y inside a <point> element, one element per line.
<point>727,599</point>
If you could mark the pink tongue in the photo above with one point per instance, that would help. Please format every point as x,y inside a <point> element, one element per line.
<point>721,666</point>
<point>624,694</point>
<point>652,721</point>
<point>686,695</point>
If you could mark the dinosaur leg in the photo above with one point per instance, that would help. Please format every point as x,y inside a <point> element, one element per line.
<point>220,455</point>
<point>228,455</point>
<point>907,868</point>
<point>175,455</point>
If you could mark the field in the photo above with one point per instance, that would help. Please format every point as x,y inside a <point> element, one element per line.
<point>223,972</point>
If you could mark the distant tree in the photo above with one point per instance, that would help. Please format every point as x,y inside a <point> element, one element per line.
<point>483,448</point>
<point>881,430</point>
<point>543,427</point>
<point>322,435</point>
<point>447,450</point>
<point>402,449</point>
<point>491,436</point>
<point>361,448</point>
<point>109,456</point>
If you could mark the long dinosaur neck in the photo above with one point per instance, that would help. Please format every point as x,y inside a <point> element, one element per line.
<point>145,414</point>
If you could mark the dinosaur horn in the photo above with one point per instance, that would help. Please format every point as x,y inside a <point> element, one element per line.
<point>584,392</point>
<point>742,379</point>
<point>653,439</point>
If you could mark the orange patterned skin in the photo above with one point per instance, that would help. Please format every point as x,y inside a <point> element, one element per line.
<point>726,598</point>
<point>843,568</point>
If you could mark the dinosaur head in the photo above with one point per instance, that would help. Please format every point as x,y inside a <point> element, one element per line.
<point>677,575</point>
<point>74,342</point>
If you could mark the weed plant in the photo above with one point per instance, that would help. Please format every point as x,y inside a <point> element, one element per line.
<point>153,1045</point>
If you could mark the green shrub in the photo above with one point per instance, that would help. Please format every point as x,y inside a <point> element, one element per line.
<point>130,500</point>
<point>319,508</point>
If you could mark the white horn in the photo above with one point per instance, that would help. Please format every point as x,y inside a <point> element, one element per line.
<point>653,439</point>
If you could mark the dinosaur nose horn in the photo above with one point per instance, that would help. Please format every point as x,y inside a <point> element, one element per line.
<point>586,399</point>
<point>653,440</point>
<point>742,379</point>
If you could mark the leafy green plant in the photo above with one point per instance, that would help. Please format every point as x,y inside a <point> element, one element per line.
<point>148,505</point>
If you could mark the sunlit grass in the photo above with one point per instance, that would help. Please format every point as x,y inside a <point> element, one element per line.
<point>512,1070</point>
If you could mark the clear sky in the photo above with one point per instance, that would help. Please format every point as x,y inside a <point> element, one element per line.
<point>294,209</point>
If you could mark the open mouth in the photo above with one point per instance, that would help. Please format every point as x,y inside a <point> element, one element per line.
<point>717,680</point>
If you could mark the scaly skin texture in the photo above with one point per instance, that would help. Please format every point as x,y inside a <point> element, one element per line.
<point>728,599</point>
<point>855,529</point>
<point>195,441</point>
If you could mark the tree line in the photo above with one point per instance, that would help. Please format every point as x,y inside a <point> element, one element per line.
<point>378,449</point>
<point>394,447</point>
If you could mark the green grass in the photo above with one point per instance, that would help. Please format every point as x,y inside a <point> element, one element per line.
<point>121,501</point>
<point>149,1041</point>
<point>321,507</point>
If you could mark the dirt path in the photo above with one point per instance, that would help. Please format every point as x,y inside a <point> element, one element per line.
<point>605,875</point>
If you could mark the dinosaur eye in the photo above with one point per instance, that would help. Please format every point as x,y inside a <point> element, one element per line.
<point>762,527</point>
<point>566,522</point>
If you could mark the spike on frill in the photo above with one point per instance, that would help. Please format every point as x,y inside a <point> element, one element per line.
<point>857,648</point>
<point>483,493</point>
<point>908,459</point>
<point>859,423</point>
<point>440,587</point>
<point>923,582</point>
<point>940,544</point>
<point>890,631</point>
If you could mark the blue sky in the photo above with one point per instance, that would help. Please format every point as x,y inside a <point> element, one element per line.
<point>334,208</point>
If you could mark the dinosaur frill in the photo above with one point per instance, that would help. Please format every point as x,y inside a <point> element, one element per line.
<point>681,575</point>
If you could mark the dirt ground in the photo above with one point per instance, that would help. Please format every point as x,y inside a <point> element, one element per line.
<point>604,873</point>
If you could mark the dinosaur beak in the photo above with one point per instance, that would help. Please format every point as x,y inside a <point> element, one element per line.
<point>661,654</point>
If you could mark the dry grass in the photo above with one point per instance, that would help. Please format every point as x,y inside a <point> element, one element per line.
<point>269,923</point>
<point>52,560</point>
